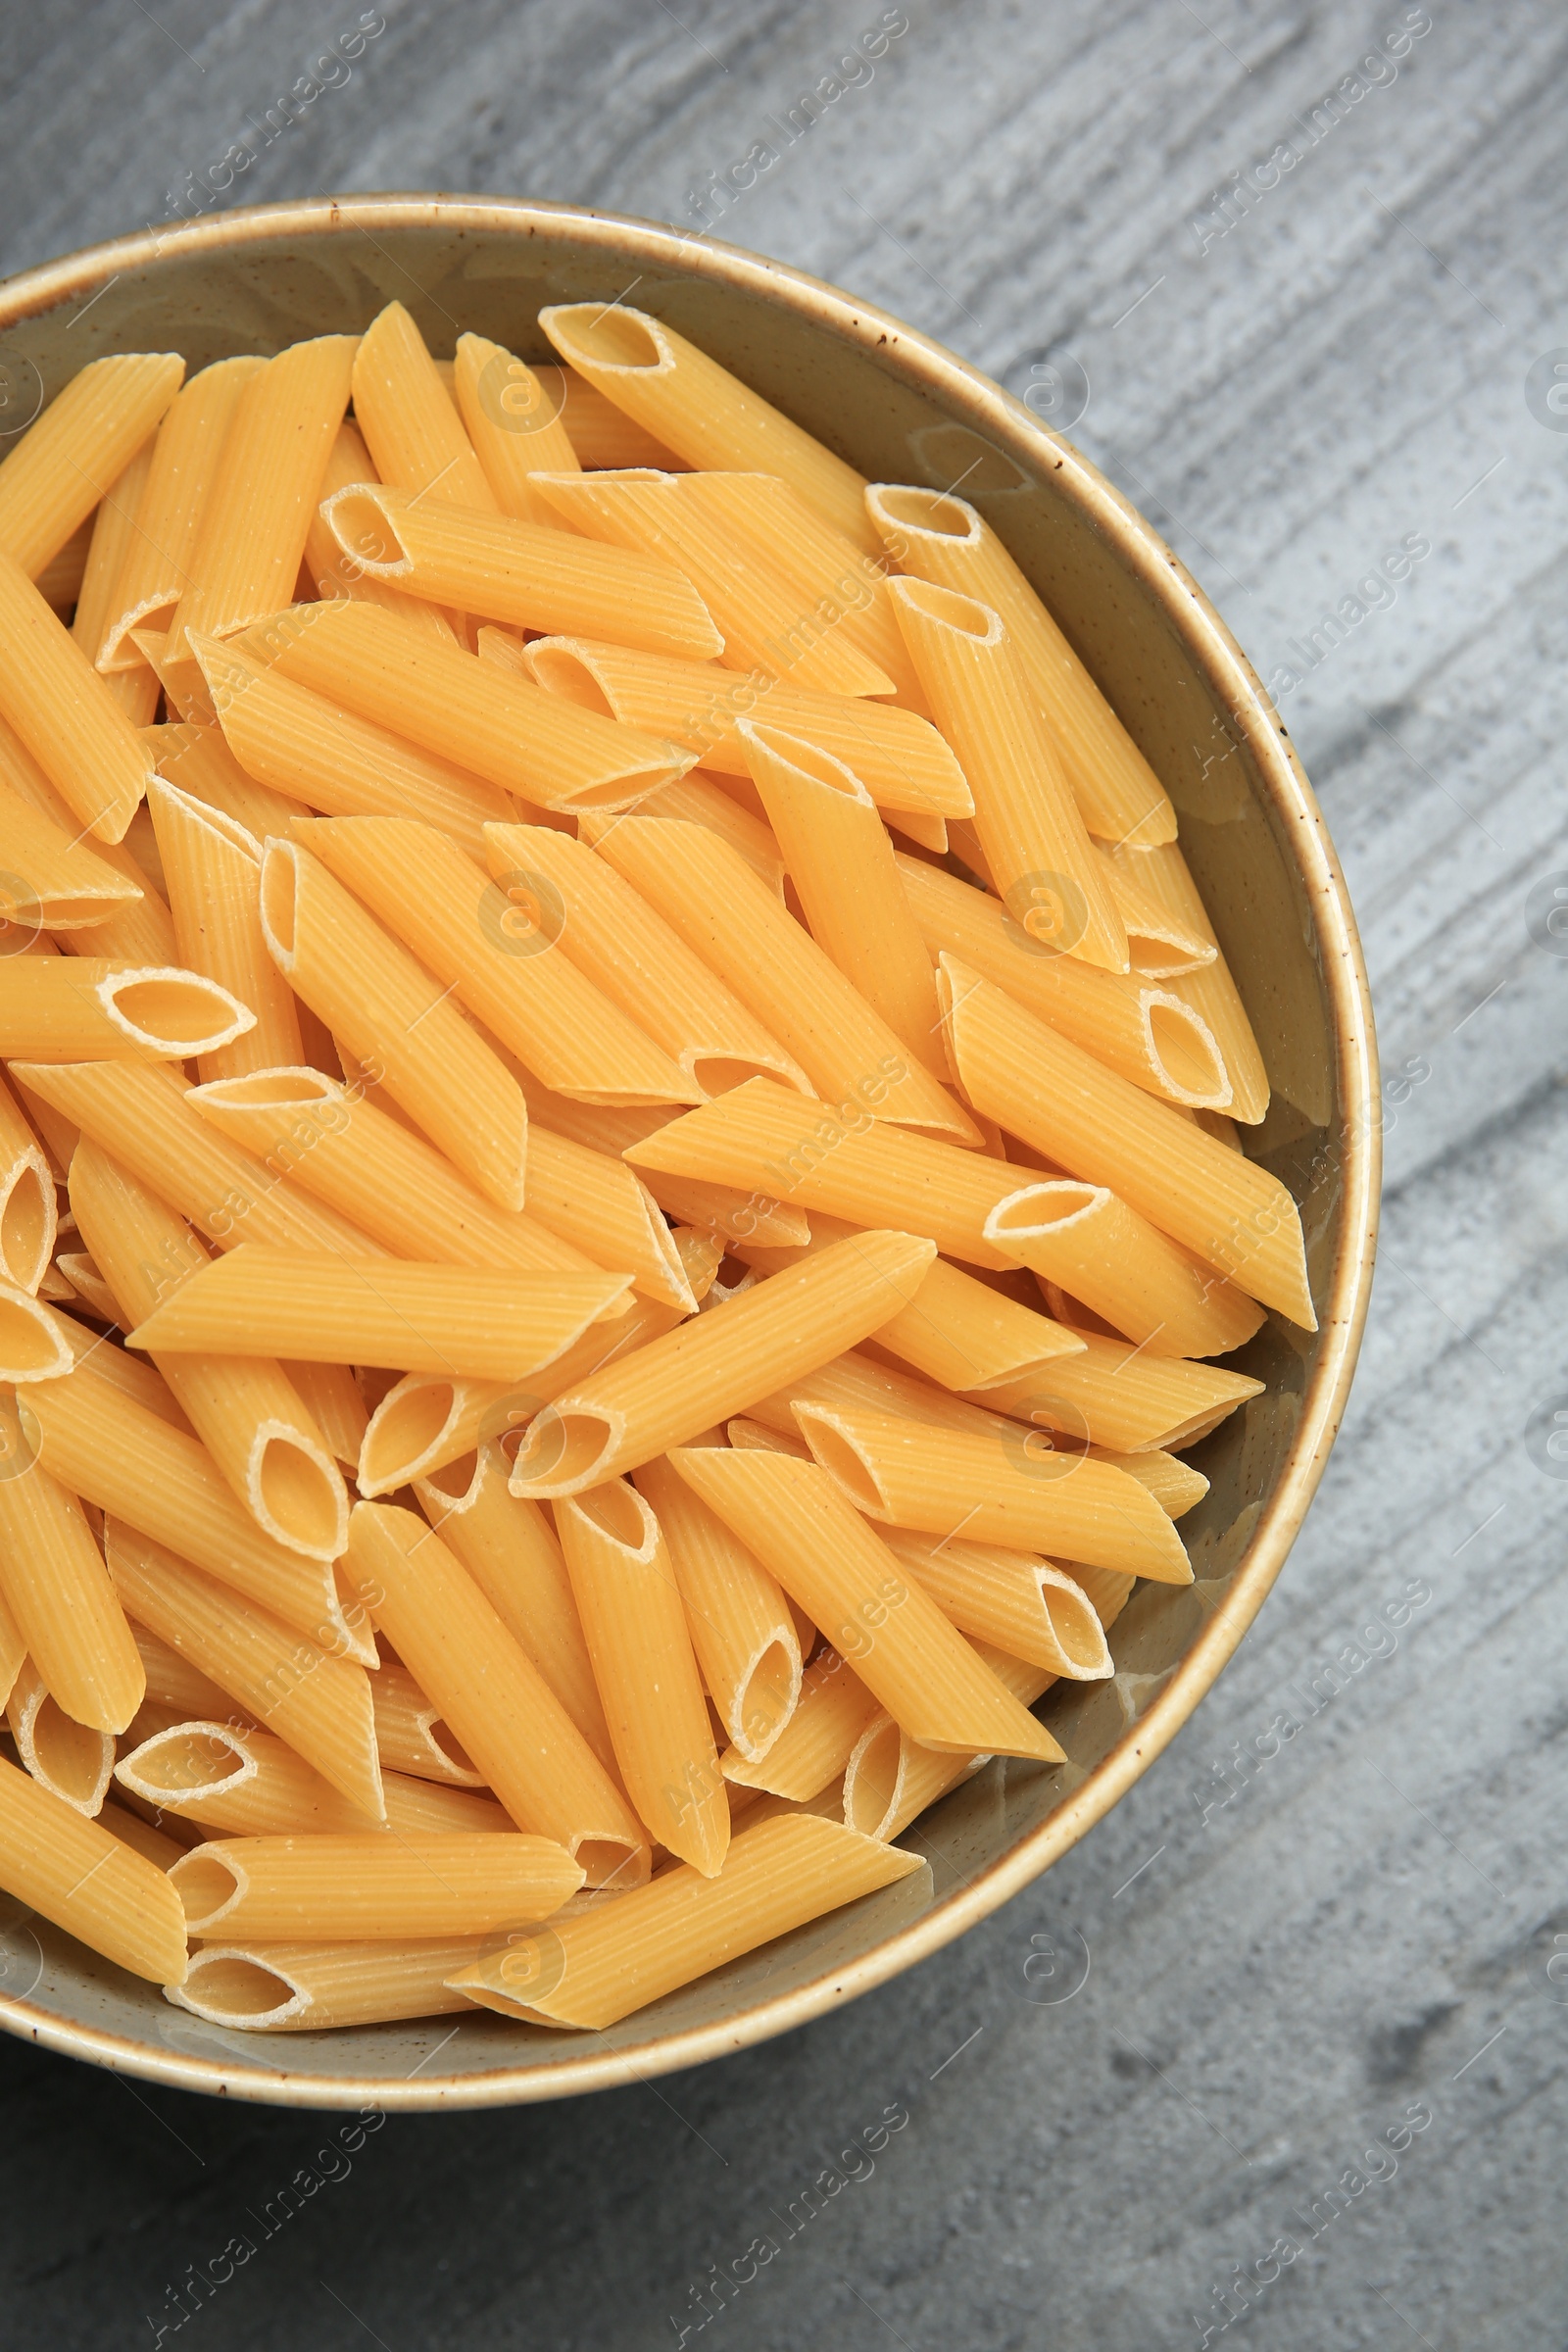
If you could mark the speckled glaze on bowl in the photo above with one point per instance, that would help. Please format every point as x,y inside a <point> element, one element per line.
<point>900,409</point>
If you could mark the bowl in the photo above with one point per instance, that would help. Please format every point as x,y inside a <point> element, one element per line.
<point>902,409</point>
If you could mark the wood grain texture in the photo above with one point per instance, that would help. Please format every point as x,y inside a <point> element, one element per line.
<point>1360,1922</point>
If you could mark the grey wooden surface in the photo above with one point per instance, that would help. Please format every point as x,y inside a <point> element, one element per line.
<point>1356,1932</point>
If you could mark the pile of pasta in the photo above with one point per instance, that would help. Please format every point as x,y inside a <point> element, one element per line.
<point>619,1180</point>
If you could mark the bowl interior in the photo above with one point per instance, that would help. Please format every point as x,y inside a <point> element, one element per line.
<point>901,410</point>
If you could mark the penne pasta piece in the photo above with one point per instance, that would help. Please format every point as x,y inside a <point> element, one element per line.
<point>73,1760</point>
<point>743,1431</point>
<point>592,1971</point>
<point>369,1887</point>
<point>213,871</point>
<point>697,799</point>
<point>152,1844</point>
<point>174,1684</point>
<point>86,1283</point>
<point>635,1626</point>
<point>64,714</point>
<point>185,456</point>
<point>320,1704</point>
<point>487,1689</point>
<point>889,1780</point>
<point>59,581</point>
<point>738,1618</point>
<point>409,418</point>
<point>841,864</point>
<point>110,1363</point>
<point>242,1406</point>
<point>494,952</point>
<point>57,1134</point>
<point>1160,946</point>
<point>115,532</point>
<point>138,930</point>
<point>814,1747</point>
<point>1210,991</point>
<point>330,571</point>
<point>58,1594</point>
<point>716,1365</point>
<point>1150,1036</point>
<point>799,1522</point>
<point>28,1218</point>
<point>252,1784</point>
<point>941,538</point>
<point>307,1987</point>
<point>763,622</point>
<point>997,1488</point>
<point>82,1878</point>
<point>1131,1406</point>
<point>1028,1607</point>
<point>514,422</point>
<point>384,1310</point>
<point>410,1735</point>
<point>197,761</point>
<point>56,883</point>
<point>1228,1211</point>
<point>508,1547</point>
<point>32,1345</point>
<point>137,1112</point>
<point>727,1214</point>
<point>86,1008</point>
<point>533,575</point>
<point>473,715</point>
<point>709,418</point>
<point>331,1395</point>
<point>1175,1485</point>
<point>64,463</point>
<point>373,995</point>
<point>1124,1269</point>
<point>587,1199</point>
<point>1037,849</point>
<point>356,1158</point>
<point>732,921</point>
<point>250,538</point>
<point>600,433</point>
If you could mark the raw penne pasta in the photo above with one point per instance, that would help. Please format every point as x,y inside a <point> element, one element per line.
<point>591,1971</point>
<point>496,955</point>
<point>213,869</point>
<point>115,532</point>
<point>841,861</point>
<point>899,758</point>
<point>88,1009</point>
<point>1150,1035</point>
<point>64,463</point>
<point>374,996</point>
<point>1175,1485</point>
<point>334,1886</point>
<point>86,1283</point>
<point>762,620</point>
<point>1026,1607</point>
<point>57,1592</point>
<point>306,1987</point>
<point>1228,1211</point>
<point>1160,946</point>
<point>728,1215</point>
<point>709,418</point>
<point>32,1345</point>
<point>320,1704</point>
<point>383,1311</point>
<point>243,1406</point>
<point>514,422</point>
<point>1132,1406</point>
<point>235,1779</point>
<point>110,1363</point>
<point>408,417</point>
<point>941,538</point>
<point>1209,991</point>
<point>59,583</point>
<point>137,1112</point>
<point>84,1879</point>
<point>185,456</point>
<point>699,800</point>
<point>139,929</point>
<point>709,895</point>
<point>814,1747</point>
<point>64,714</point>
<point>335,574</point>
<point>587,1198</point>
<point>1143,1285</point>
<point>174,1682</point>
<point>55,882</point>
<point>739,1620</point>
<point>410,1735</point>
<point>71,1759</point>
<point>474,714</point>
<point>630,1605</point>
<point>716,1365</point>
<point>199,762</point>
<point>28,1217</point>
<point>995,1488</point>
<point>532,575</point>
<point>798,1521</point>
<point>153,1845</point>
<point>510,1551</point>
<point>356,1158</point>
<point>495,1699</point>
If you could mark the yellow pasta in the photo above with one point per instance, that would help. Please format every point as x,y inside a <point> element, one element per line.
<point>1025,1606</point>
<point>1228,1211</point>
<point>54,881</point>
<point>85,1009</point>
<point>84,1879</point>
<point>336,574</point>
<point>201,763</point>
<point>139,929</point>
<point>699,800</point>
<point>584,1197</point>
<point>57,1590</point>
<point>410,1736</point>
<point>233,1777</point>
<point>600,433</point>
<point>33,1347</point>
<point>496,1701</point>
<point>174,1684</point>
<point>373,995</point>
<point>407,415</point>
<point>335,1886</point>
<point>306,1987</point>
<point>64,463</point>
<point>213,866</point>
<point>27,1211</point>
<point>709,894</point>
<point>59,583</point>
<point>632,1618</point>
<point>1082,1236</point>
<point>63,712</point>
<point>594,1969</point>
<point>995,1488</point>
<point>1124,1399</point>
<point>814,1747</point>
<point>115,532</point>
<point>320,1704</point>
<point>941,538</point>
<point>698,409</point>
<point>514,423</point>
<point>73,1760</point>
<point>1210,991</point>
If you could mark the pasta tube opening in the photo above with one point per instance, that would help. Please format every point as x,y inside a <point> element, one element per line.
<point>410,1432</point>
<point>1056,1205</point>
<point>565,1448</point>
<point>837,1453</point>
<point>617,338</point>
<point>70,1759</point>
<point>871,1777</point>
<point>237,1988</point>
<point>764,1699</point>
<point>366,531</point>
<point>209,1885</point>
<point>32,1345</point>
<point>295,1491</point>
<point>27,1220</point>
<point>177,1768</point>
<point>1075,1629</point>
<point>560,670</point>
<point>173,1014</point>
<point>1185,1058</point>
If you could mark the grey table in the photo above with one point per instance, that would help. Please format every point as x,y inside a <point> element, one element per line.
<point>1295,275</point>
